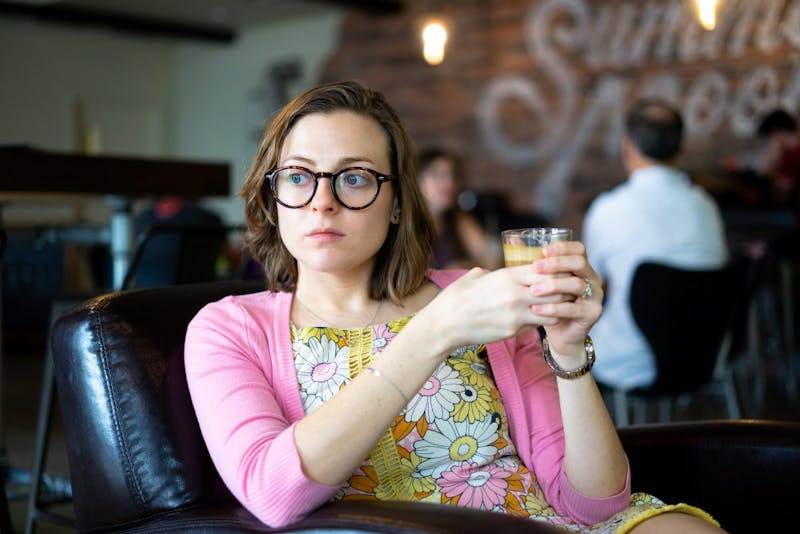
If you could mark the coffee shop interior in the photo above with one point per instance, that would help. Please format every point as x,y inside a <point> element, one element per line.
<point>112,110</point>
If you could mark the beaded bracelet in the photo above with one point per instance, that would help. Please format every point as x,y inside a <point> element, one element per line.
<point>377,373</point>
<point>570,374</point>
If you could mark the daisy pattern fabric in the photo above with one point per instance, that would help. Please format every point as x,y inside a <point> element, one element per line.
<point>451,445</point>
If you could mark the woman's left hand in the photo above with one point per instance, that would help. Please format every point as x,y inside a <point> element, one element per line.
<point>567,323</point>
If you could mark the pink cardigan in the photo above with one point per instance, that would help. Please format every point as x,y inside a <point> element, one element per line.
<point>242,380</point>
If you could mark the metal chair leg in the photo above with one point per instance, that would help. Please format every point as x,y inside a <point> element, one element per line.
<point>731,399</point>
<point>41,485</point>
<point>621,408</point>
<point>5,513</point>
<point>787,301</point>
<point>664,409</point>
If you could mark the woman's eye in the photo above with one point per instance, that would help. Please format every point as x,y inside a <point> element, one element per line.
<point>353,179</point>
<point>297,179</point>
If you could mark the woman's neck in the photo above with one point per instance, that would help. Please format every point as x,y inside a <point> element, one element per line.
<point>334,294</point>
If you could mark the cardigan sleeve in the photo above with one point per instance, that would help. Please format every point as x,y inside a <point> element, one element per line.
<point>546,439</point>
<point>244,425</point>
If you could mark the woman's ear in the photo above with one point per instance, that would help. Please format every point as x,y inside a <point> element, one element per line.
<point>395,217</point>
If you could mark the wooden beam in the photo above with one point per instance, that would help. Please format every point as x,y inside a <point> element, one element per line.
<point>127,23</point>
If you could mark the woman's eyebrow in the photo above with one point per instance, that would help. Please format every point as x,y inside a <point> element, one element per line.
<point>348,160</point>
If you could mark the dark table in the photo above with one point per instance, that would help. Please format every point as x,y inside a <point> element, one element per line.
<point>27,173</point>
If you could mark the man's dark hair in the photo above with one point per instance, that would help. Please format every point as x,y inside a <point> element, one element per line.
<point>656,128</point>
<point>777,120</point>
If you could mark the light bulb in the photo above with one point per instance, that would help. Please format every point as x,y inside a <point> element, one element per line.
<point>707,13</point>
<point>434,38</point>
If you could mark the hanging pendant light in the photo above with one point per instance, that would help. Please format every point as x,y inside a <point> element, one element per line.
<point>706,12</point>
<point>434,41</point>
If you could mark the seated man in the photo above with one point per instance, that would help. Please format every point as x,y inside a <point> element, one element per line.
<point>657,215</point>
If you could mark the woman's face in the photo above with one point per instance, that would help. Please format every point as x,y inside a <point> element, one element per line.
<point>324,236</point>
<point>439,185</point>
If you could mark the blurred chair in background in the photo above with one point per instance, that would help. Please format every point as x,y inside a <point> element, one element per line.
<point>5,515</point>
<point>161,260</point>
<point>687,318</point>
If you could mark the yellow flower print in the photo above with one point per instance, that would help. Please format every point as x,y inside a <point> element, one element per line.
<point>645,499</point>
<point>396,326</point>
<point>537,506</point>
<point>305,333</point>
<point>475,403</point>
<point>420,484</point>
<point>473,368</point>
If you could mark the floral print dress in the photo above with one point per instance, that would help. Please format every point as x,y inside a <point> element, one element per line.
<point>451,445</point>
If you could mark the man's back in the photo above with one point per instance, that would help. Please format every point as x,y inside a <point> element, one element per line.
<point>657,215</point>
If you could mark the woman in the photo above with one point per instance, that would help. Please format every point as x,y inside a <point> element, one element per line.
<point>361,375</point>
<point>460,241</point>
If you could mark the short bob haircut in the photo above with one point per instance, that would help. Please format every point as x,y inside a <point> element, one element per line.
<point>403,259</point>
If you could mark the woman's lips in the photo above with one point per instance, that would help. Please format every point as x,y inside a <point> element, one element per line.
<point>324,234</point>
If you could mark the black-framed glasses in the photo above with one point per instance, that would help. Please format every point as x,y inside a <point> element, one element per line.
<point>354,187</point>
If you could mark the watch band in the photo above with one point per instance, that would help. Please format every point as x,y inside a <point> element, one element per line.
<point>569,374</point>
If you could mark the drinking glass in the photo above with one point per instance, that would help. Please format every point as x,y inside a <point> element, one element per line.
<point>524,245</point>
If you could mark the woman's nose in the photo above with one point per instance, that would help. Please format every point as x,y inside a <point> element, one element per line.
<point>323,198</point>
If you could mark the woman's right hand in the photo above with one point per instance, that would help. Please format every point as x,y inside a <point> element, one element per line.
<point>485,306</point>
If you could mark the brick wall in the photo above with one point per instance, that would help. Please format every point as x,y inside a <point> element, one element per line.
<point>532,92</point>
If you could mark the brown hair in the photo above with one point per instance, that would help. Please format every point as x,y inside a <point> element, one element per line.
<point>402,260</point>
<point>430,154</point>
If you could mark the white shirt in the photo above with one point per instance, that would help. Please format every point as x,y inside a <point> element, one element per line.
<point>657,215</point>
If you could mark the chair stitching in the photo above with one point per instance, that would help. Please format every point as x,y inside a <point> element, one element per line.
<point>99,326</point>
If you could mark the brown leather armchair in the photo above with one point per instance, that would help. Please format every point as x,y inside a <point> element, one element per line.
<point>138,462</point>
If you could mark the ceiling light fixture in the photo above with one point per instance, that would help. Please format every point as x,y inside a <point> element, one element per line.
<point>706,11</point>
<point>434,40</point>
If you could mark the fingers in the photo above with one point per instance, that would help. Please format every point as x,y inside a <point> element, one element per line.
<point>583,311</point>
<point>572,286</point>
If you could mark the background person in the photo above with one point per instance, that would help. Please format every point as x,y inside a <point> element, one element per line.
<point>461,241</point>
<point>361,374</point>
<point>781,163</point>
<point>656,215</point>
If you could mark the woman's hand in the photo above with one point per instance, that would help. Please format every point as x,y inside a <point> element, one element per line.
<point>567,321</point>
<point>484,306</point>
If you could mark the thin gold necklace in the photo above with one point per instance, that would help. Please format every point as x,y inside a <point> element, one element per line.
<point>328,323</point>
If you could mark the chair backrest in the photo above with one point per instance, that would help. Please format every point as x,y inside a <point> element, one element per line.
<point>728,468</point>
<point>176,254</point>
<point>133,443</point>
<point>686,315</point>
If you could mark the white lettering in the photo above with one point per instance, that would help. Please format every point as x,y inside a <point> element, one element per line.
<point>607,100</point>
<point>706,103</point>
<point>769,35</point>
<point>757,94</point>
<point>791,24</point>
<point>622,36</point>
<point>524,91</point>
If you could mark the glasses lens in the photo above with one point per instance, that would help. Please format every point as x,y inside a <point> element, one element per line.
<point>293,187</point>
<point>356,188</point>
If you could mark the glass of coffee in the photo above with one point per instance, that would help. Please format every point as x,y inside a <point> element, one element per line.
<point>524,245</point>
